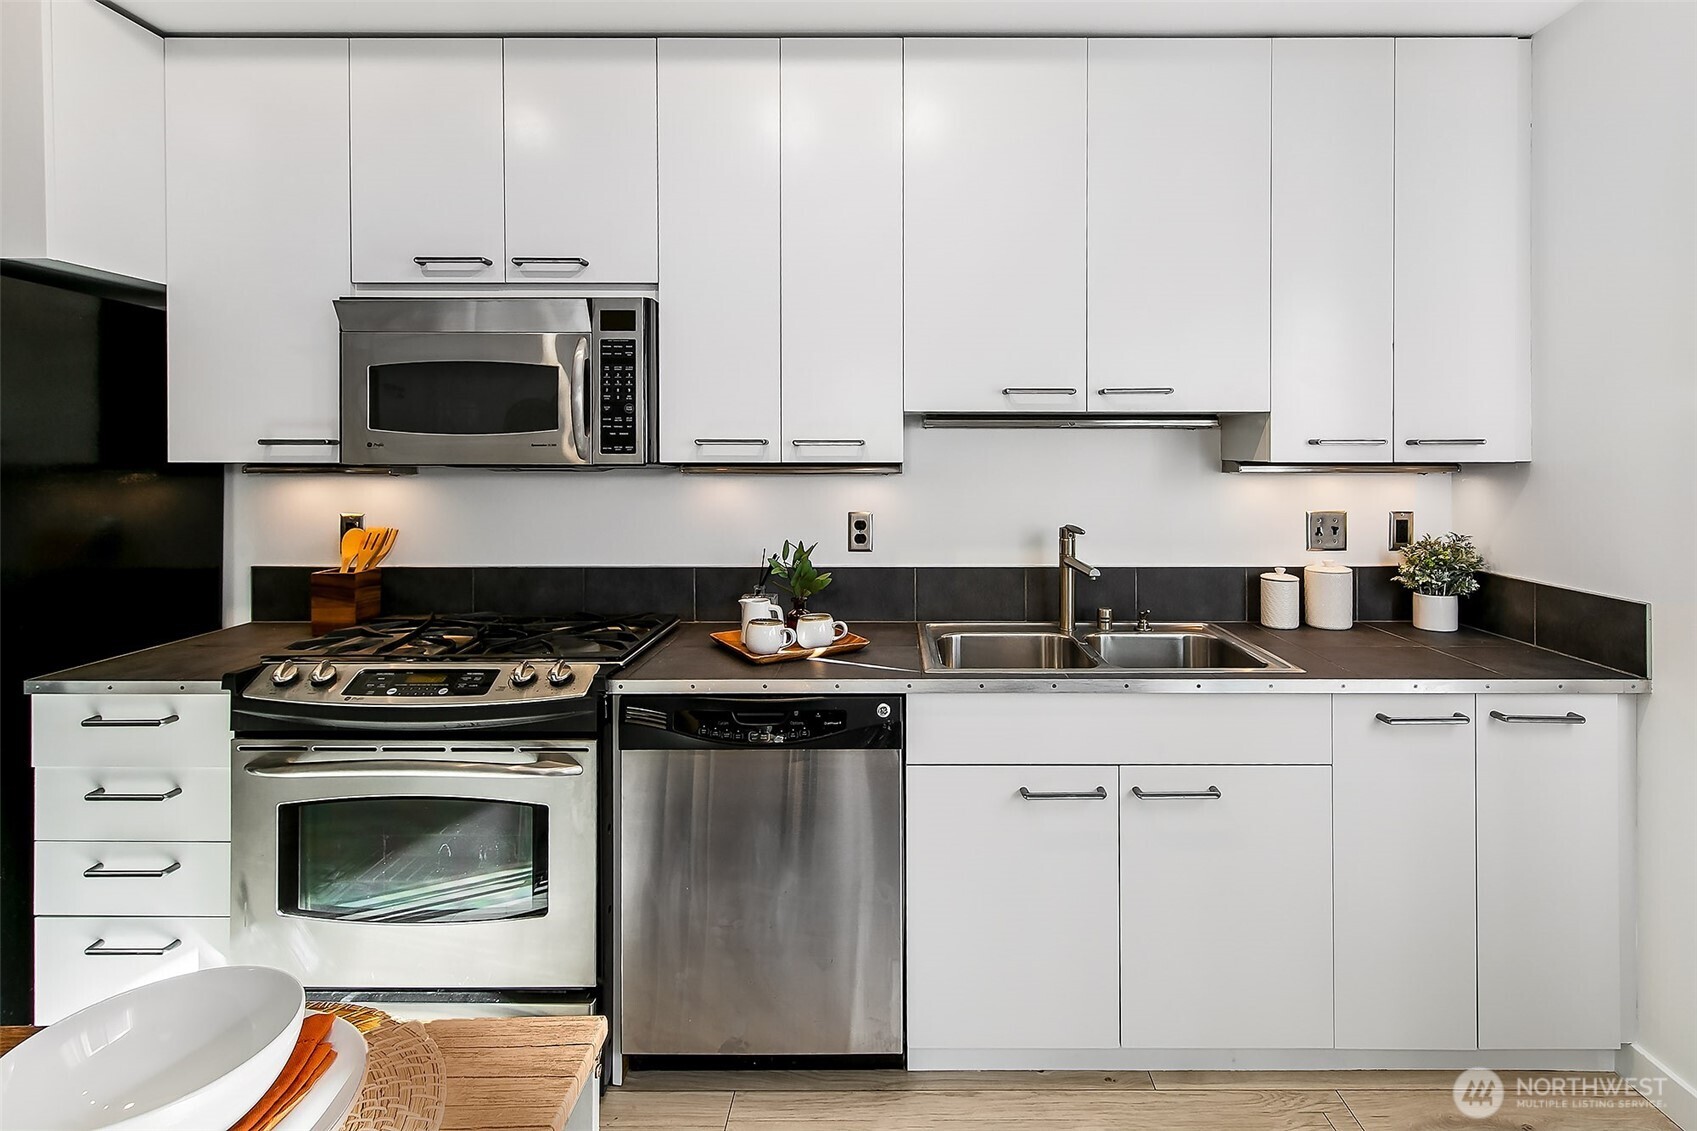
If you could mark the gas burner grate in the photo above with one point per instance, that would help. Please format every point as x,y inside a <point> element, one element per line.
<point>580,636</point>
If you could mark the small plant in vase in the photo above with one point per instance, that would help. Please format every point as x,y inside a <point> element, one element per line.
<point>794,572</point>
<point>1440,569</point>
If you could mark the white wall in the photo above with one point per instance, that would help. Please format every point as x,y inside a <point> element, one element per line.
<point>1610,500</point>
<point>966,497</point>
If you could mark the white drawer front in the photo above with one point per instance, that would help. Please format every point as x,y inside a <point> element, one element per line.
<point>1016,729</point>
<point>132,803</point>
<point>75,963</point>
<point>88,878</point>
<point>131,730</point>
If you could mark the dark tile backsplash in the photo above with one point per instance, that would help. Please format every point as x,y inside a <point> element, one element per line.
<point>1602,630</point>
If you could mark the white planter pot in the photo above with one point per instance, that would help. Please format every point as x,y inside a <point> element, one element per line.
<point>1436,614</point>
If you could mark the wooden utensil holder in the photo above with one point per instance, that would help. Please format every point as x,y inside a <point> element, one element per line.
<point>343,599</point>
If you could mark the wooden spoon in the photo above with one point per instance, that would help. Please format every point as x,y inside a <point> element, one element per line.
<point>351,543</point>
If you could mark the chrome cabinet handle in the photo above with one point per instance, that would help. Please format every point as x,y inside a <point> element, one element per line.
<point>828,443</point>
<point>524,260</point>
<point>98,721</point>
<point>1100,793</point>
<point>296,442</point>
<point>1212,793</point>
<point>98,948</point>
<point>99,871</point>
<point>1570,719</point>
<point>1423,443</point>
<point>1456,720</point>
<point>1039,392</point>
<point>1347,443</point>
<point>427,260</point>
<point>1151,390</point>
<point>732,441</point>
<point>98,793</point>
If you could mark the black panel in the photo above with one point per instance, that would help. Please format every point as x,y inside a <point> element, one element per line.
<point>970,593</point>
<point>465,398</point>
<point>1503,605</point>
<point>1604,630</point>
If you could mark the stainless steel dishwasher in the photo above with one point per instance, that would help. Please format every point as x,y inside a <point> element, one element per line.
<point>761,876</point>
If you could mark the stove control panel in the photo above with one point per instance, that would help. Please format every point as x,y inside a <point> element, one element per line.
<point>421,681</point>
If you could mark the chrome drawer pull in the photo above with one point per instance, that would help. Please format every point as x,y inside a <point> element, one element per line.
<point>576,260</point>
<point>1347,443</point>
<point>98,948</point>
<point>99,871</point>
<point>98,793</point>
<point>98,721</point>
<point>716,441</point>
<point>1100,793</point>
<point>1212,793</point>
<point>828,443</point>
<point>1570,718</point>
<point>1423,443</point>
<point>427,260</point>
<point>275,442</point>
<point>1152,390</point>
<point>1039,392</point>
<point>1456,720</point>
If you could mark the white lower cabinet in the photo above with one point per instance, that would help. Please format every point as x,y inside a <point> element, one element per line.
<point>82,960</point>
<point>1226,907</point>
<point>1013,924</point>
<point>1551,891</point>
<point>1403,871</point>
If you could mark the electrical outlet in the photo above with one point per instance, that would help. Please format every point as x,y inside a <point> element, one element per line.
<point>1328,530</point>
<point>1402,529</point>
<point>860,531</point>
<point>350,522</point>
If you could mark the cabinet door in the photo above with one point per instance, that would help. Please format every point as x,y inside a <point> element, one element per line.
<point>257,211</point>
<point>581,182</point>
<point>841,170</point>
<point>1226,913</point>
<point>1402,828</point>
<point>719,250</point>
<point>426,124</point>
<point>1463,250</point>
<point>1333,171</point>
<point>1180,139</point>
<point>994,213</point>
<point>1550,877</point>
<point>992,876</point>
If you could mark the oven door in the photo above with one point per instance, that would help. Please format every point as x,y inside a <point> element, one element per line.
<point>470,397</point>
<point>416,864</point>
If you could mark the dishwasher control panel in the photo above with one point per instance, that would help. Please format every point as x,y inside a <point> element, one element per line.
<point>758,727</point>
<point>711,721</point>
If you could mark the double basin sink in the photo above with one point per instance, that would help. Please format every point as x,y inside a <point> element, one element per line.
<point>1023,649</point>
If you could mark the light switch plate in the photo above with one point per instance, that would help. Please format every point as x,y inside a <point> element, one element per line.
<point>350,522</point>
<point>1328,530</point>
<point>1402,529</point>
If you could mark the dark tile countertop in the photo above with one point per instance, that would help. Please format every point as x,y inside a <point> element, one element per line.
<point>197,664</point>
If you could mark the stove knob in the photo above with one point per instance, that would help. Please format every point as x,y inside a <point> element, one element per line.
<point>561,673</point>
<point>323,675</point>
<point>285,674</point>
<point>524,674</point>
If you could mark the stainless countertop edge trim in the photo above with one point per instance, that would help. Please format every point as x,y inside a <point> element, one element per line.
<point>123,686</point>
<point>930,685</point>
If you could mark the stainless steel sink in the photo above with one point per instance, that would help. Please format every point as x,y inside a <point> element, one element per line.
<point>1009,648</point>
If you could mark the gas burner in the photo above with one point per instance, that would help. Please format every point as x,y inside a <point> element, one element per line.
<point>583,637</point>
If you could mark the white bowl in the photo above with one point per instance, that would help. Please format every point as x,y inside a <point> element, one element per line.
<point>182,1054</point>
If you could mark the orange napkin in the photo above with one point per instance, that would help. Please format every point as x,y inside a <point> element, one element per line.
<point>310,1060</point>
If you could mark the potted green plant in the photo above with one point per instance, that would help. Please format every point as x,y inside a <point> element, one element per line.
<point>1440,568</point>
<point>794,572</point>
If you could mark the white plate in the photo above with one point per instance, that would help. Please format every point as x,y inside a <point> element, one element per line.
<point>333,1094</point>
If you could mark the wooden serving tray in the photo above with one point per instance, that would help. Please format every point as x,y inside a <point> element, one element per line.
<point>732,639</point>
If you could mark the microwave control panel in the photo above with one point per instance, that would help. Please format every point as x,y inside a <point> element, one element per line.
<point>618,396</point>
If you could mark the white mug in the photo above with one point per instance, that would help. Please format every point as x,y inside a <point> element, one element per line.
<point>816,630</point>
<point>753,607</point>
<point>766,635</point>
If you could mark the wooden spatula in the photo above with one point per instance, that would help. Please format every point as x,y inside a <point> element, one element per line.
<point>351,543</point>
<point>373,539</point>
<point>385,543</point>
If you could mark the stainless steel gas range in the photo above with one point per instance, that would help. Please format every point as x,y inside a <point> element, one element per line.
<point>417,810</point>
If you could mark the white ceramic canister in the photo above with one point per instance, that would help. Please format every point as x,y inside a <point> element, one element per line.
<point>1330,595</point>
<point>1281,599</point>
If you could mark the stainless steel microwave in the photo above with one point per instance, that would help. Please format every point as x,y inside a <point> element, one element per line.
<point>498,382</point>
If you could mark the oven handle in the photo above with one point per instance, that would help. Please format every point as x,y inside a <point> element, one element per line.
<point>576,405</point>
<point>288,765</point>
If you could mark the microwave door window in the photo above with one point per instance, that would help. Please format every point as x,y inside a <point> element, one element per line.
<point>413,860</point>
<point>465,398</point>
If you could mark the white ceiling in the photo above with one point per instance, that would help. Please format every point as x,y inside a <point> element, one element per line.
<point>846,17</point>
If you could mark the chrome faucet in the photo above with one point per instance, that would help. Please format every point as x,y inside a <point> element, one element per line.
<point>1069,563</point>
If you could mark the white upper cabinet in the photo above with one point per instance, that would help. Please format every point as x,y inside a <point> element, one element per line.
<point>1463,250</point>
<point>719,260</point>
<point>580,161</point>
<point>1333,201</point>
<point>426,145</point>
<point>995,225</point>
<point>257,214</point>
<point>841,173</point>
<point>1180,139</point>
<point>84,164</point>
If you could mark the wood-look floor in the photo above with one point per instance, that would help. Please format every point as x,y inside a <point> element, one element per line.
<point>1098,1101</point>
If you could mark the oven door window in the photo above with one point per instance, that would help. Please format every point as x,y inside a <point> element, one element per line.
<point>464,398</point>
<point>412,859</point>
